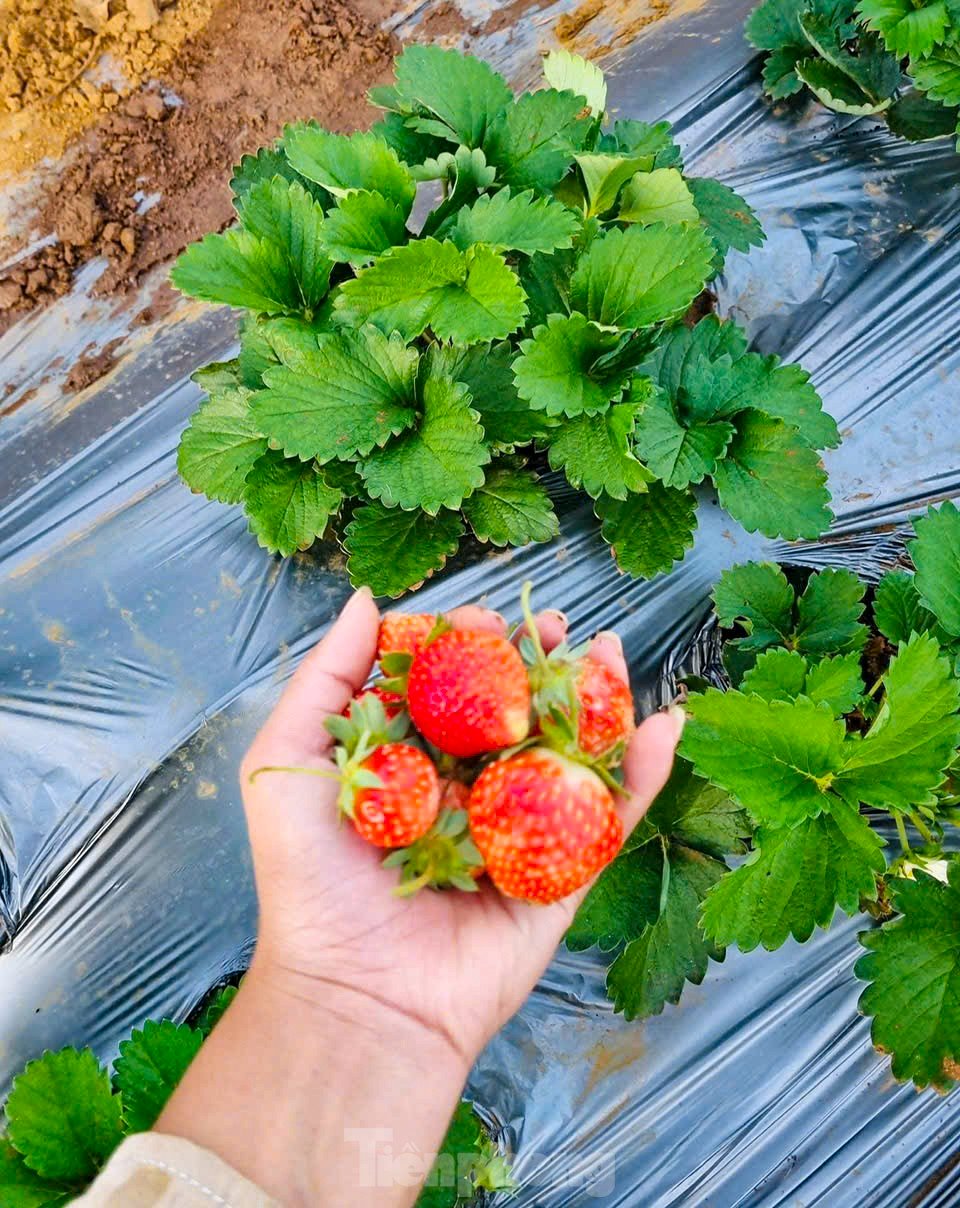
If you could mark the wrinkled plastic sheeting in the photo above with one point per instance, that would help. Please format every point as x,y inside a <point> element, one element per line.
<point>144,636</point>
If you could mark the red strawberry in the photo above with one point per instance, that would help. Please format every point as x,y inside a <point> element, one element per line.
<point>605,713</point>
<point>543,824</point>
<point>581,706</point>
<point>403,632</point>
<point>468,694</point>
<point>392,703</point>
<point>406,803</point>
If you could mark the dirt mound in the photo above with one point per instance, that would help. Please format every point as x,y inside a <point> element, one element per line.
<point>152,174</point>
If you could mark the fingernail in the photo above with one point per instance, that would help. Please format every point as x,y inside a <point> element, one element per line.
<point>363,593</point>
<point>555,612</point>
<point>679,716</point>
<point>608,635</point>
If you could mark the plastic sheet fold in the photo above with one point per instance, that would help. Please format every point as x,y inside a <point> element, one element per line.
<point>144,636</point>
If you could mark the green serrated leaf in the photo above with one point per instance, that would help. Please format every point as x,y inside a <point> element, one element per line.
<point>646,138</point>
<point>903,757</point>
<point>220,444</point>
<point>710,383</point>
<point>624,901</point>
<point>777,675</point>
<point>515,222</point>
<point>939,77</point>
<point>872,69</point>
<point>838,681</point>
<point>237,269</point>
<point>595,453</point>
<point>467,297</point>
<point>288,340</point>
<point>692,811</point>
<point>775,24</point>
<point>653,969</point>
<point>284,214</point>
<point>533,141</point>
<point>658,196</point>
<point>915,117</point>
<point>913,967</point>
<point>267,163</point>
<point>343,162</point>
<point>149,1068</point>
<point>757,596</point>
<point>836,90</point>
<point>347,398</point>
<point>512,507</point>
<point>361,227</point>
<point>568,72</point>
<point>678,454</point>
<point>648,532</point>
<point>63,1116</point>
<point>780,78</point>
<point>460,96</point>
<point>770,482</point>
<point>828,614</point>
<point>908,30</point>
<point>546,282</point>
<point>676,362</point>
<point>390,550</point>
<point>465,175</point>
<point>778,758</point>
<point>897,609</point>
<point>438,463</point>
<point>487,372</point>
<point>642,275</point>
<point>256,353</point>
<point>450,1181</point>
<point>936,555</point>
<point>21,1187</point>
<point>288,503</point>
<point>411,146</point>
<point>557,371</point>
<point>603,176</point>
<point>796,880</point>
<point>214,1009</point>
<point>727,218</point>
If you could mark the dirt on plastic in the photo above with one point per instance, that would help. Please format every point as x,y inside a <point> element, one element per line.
<point>151,174</point>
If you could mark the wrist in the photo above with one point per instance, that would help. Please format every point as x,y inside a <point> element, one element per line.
<point>335,1010</point>
<point>318,1093</point>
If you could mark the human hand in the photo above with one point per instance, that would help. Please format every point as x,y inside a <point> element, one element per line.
<point>351,1038</point>
<point>458,965</point>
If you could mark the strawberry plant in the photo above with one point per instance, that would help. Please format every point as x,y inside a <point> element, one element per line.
<point>483,288</point>
<point>842,713</point>
<point>67,1113</point>
<point>895,59</point>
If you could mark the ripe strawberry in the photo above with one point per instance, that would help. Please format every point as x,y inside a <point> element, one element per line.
<point>401,636</point>
<point>403,632</point>
<point>392,703</point>
<point>468,693</point>
<point>405,804</point>
<point>581,706</point>
<point>543,824</point>
<point>605,709</point>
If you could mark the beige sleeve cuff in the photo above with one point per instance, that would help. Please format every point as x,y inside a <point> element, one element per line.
<point>151,1170</point>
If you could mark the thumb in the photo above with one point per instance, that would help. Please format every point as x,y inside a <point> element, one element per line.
<point>322,685</point>
<point>648,762</point>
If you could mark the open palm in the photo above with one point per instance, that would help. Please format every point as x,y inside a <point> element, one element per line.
<point>459,964</point>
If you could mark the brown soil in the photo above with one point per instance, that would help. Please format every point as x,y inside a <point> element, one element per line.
<point>256,65</point>
<point>64,62</point>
